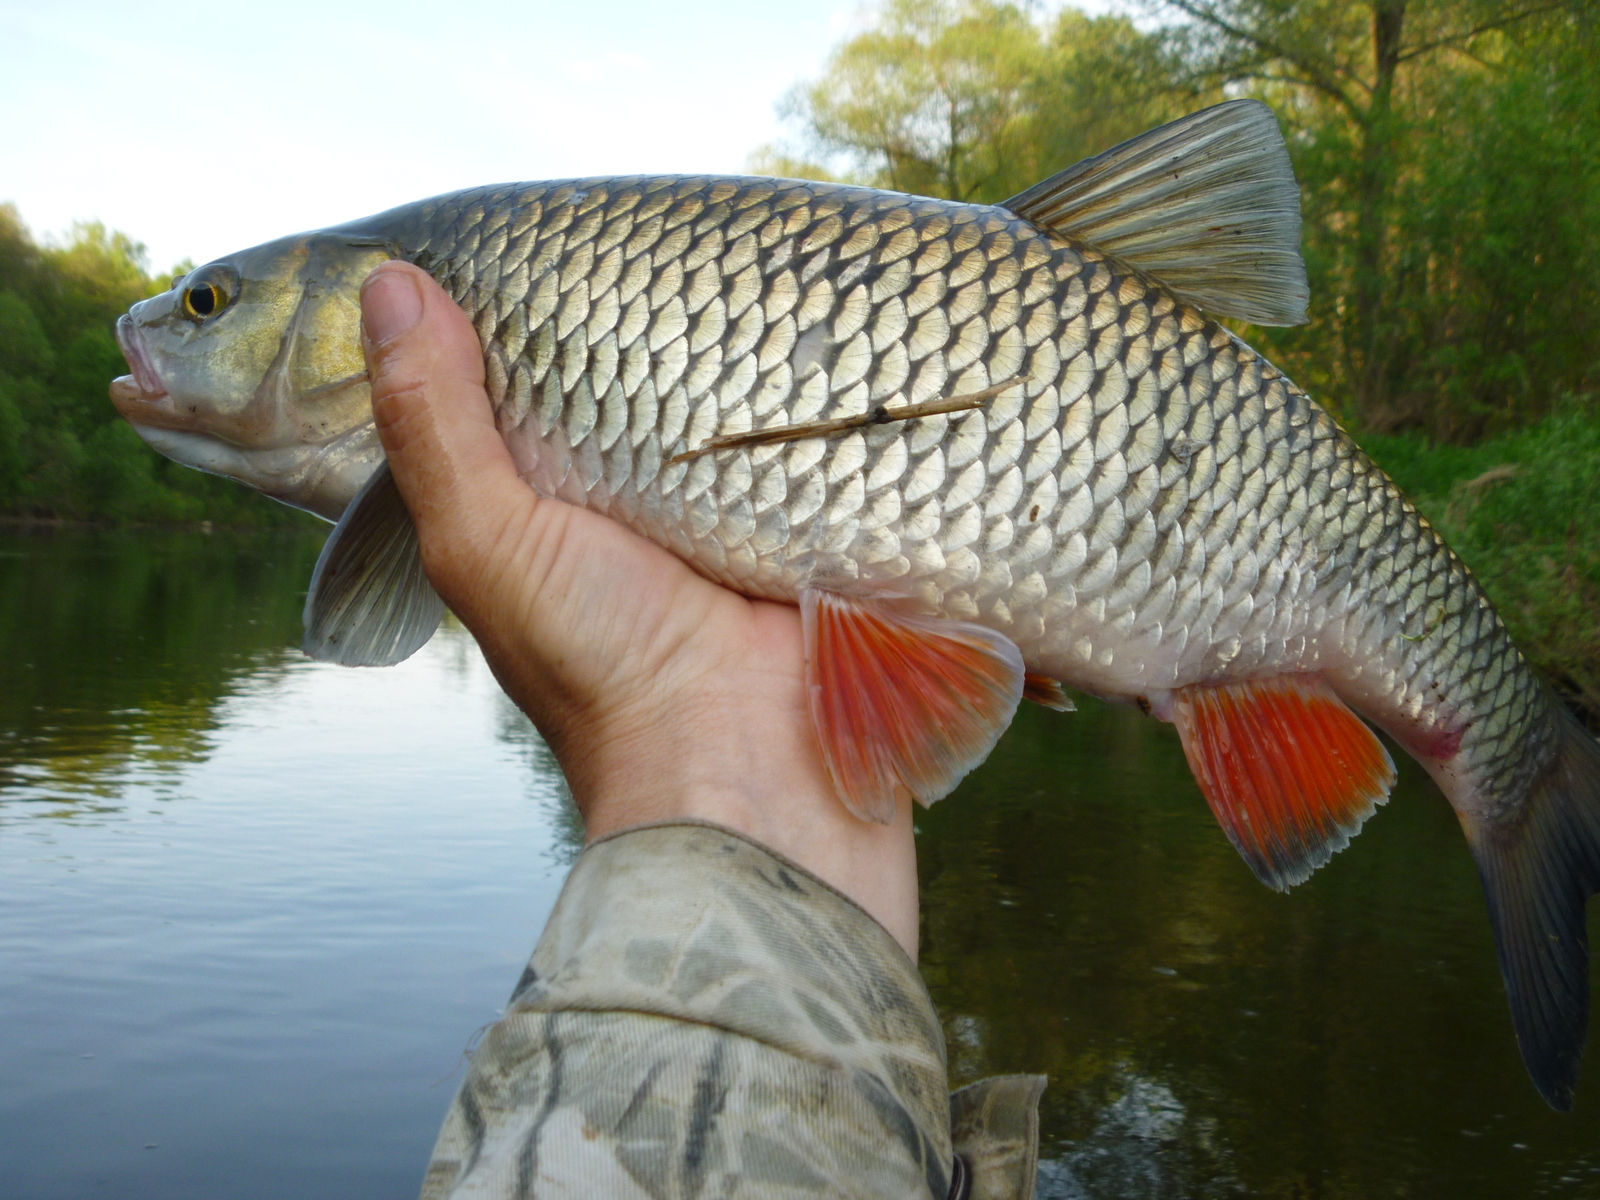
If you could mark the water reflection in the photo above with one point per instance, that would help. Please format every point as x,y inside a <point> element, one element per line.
<point>286,894</point>
<point>118,649</point>
<point>1084,917</point>
<point>545,783</point>
<point>252,910</point>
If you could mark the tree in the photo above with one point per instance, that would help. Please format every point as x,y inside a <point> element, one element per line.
<point>973,100</point>
<point>1348,73</point>
<point>64,452</point>
<point>1104,80</point>
<point>932,99</point>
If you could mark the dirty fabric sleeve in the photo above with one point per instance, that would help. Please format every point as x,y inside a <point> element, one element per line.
<point>703,1019</point>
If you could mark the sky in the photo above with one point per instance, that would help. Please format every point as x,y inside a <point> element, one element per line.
<point>200,129</point>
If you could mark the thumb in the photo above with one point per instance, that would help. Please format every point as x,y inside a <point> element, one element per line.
<point>437,425</point>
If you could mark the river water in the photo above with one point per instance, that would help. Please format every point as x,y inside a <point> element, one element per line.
<point>254,911</point>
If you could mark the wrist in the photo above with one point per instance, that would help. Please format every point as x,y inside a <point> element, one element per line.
<point>761,777</point>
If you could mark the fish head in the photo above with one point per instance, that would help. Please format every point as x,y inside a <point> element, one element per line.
<point>251,367</point>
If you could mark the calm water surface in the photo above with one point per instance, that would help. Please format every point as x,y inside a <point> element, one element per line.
<point>254,911</point>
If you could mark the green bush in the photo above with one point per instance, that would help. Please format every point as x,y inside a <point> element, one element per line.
<point>1521,510</point>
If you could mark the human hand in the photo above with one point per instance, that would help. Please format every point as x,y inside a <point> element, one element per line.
<point>661,694</point>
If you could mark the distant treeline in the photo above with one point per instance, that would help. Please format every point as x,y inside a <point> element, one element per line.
<point>64,452</point>
<point>1447,153</point>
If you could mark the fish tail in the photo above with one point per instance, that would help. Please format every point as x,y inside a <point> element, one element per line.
<point>1538,873</point>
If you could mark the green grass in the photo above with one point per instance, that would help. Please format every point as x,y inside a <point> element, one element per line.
<point>1523,511</point>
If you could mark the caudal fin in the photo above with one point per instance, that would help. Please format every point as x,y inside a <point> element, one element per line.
<point>1538,873</point>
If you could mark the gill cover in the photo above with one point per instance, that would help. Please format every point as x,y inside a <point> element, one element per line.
<point>319,361</point>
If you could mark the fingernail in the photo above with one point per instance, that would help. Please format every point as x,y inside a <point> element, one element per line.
<point>390,304</point>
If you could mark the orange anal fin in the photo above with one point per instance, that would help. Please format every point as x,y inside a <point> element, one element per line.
<point>1041,689</point>
<point>1289,771</point>
<point>902,704</point>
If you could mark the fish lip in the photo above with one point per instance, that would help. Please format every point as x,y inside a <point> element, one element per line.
<point>141,398</point>
<point>144,386</point>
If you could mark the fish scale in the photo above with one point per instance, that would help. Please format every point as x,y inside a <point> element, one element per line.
<point>1115,493</point>
<point>1155,506</point>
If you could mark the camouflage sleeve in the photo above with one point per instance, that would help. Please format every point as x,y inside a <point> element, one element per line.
<point>702,1018</point>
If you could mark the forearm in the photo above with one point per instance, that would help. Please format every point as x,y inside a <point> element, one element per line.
<point>702,1017</point>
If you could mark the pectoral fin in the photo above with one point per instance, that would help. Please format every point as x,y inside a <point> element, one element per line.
<point>1289,771</point>
<point>903,704</point>
<point>369,604</point>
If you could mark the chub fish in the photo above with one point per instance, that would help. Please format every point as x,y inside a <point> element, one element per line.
<point>987,450</point>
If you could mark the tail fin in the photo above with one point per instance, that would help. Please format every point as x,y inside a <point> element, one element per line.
<point>1538,873</point>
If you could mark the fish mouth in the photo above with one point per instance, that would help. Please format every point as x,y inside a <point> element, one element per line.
<point>141,398</point>
<point>145,379</point>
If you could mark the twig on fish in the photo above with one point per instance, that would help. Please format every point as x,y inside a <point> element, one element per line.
<point>1438,617</point>
<point>880,414</point>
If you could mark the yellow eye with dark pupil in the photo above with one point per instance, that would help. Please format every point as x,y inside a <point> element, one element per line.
<point>203,300</point>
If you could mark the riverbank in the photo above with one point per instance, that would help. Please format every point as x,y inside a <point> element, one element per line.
<point>1523,511</point>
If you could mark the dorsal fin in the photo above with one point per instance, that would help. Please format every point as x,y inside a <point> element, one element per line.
<point>1207,204</point>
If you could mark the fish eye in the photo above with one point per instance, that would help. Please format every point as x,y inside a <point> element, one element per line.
<point>203,299</point>
<point>209,294</point>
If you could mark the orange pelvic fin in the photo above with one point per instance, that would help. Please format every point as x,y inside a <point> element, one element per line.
<point>902,704</point>
<point>1289,771</point>
<point>1041,689</point>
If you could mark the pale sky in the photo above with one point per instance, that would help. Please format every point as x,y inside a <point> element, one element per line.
<point>202,128</point>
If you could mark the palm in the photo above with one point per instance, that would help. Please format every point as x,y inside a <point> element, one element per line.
<point>611,624</point>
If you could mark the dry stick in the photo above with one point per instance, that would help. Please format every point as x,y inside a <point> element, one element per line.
<point>880,414</point>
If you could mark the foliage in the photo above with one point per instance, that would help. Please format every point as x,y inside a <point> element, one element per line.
<point>1496,274</point>
<point>1519,509</point>
<point>972,100</point>
<point>64,452</point>
<point>156,626</point>
<point>1445,151</point>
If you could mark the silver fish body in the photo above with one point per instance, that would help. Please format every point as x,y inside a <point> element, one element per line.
<point>1155,506</point>
<point>1141,507</point>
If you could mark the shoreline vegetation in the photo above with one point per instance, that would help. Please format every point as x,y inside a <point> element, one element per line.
<point>65,454</point>
<point>1451,198</point>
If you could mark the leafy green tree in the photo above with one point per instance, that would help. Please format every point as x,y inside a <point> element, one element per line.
<point>1103,81</point>
<point>1359,80</point>
<point>24,345</point>
<point>1495,281</point>
<point>64,452</point>
<point>932,99</point>
<point>974,100</point>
